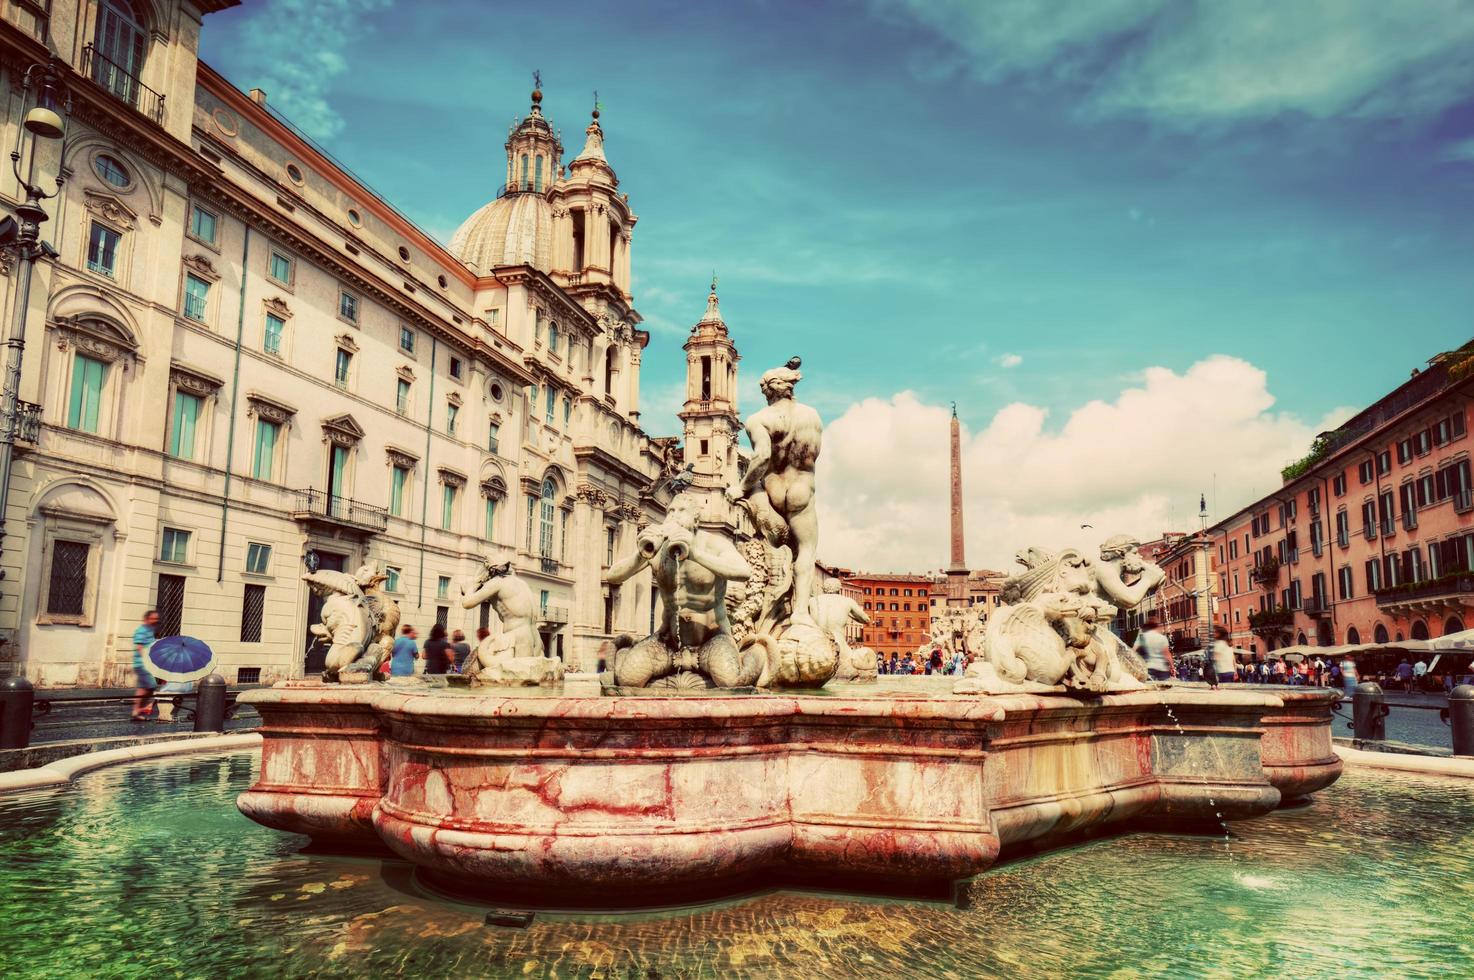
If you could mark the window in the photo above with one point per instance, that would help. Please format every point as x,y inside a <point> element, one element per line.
<point>545,525</point>
<point>280,267</point>
<point>455,368</point>
<point>186,418</point>
<point>196,293</point>
<point>294,172</point>
<point>537,327</point>
<point>493,435</point>
<point>88,376</point>
<point>537,174</point>
<point>340,369</point>
<point>403,254</point>
<point>274,327</point>
<point>1345,587</point>
<point>567,412</point>
<point>111,171</point>
<point>1404,450</point>
<point>553,336</point>
<point>1374,574</point>
<point>1365,472</point>
<point>170,604</point>
<point>442,587</point>
<point>348,306</point>
<point>1338,485</point>
<point>102,250</point>
<point>174,546</point>
<point>258,558</point>
<point>609,536</point>
<point>68,587</point>
<point>452,410</point>
<point>1423,442</point>
<point>407,339</point>
<point>1384,462</point>
<point>391,584</point>
<point>263,454</point>
<point>447,506</point>
<point>551,398</point>
<point>401,397</point>
<point>202,224</point>
<point>253,607</point>
<point>398,489</point>
<point>491,518</point>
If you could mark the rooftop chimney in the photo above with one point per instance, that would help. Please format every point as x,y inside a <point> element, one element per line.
<point>258,96</point>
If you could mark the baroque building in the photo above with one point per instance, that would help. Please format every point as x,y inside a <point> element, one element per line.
<point>711,427</point>
<point>243,359</point>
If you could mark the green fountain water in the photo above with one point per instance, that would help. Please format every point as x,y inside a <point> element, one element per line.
<point>148,870</point>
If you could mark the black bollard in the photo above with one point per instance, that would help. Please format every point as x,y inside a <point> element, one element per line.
<point>1461,718</point>
<point>209,706</point>
<point>17,697</point>
<point>1368,713</point>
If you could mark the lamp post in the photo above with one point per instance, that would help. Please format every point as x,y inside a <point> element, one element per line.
<point>45,120</point>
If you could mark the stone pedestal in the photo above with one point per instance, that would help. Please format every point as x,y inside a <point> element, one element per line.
<point>588,800</point>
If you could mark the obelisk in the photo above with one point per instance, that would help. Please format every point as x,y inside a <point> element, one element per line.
<point>957,570</point>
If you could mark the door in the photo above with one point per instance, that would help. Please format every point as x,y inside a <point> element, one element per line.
<point>316,653</point>
<point>119,43</point>
<point>337,478</point>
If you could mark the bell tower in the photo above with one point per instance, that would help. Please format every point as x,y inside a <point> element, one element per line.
<point>709,417</point>
<point>534,152</point>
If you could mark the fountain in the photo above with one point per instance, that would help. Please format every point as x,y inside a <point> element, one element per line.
<point>722,753</point>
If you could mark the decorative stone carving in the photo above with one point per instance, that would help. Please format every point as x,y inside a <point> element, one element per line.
<point>692,645</point>
<point>345,340</point>
<point>454,398</point>
<point>451,478</point>
<point>342,430</point>
<point>777,491</point>
<point>202,267</point>
<point>515,655</point>
<point>494,488</point>
<point>405,373</point>
<point>1053,627</point>
<point>833,612</point>
<point>193,382</point>
<point>592,495</point>
<point>278,306</point>
<point>110,209</point>
<point>400,458</point>
<point>272,411</point>
<point>358,620</point>
<point>7,260</point>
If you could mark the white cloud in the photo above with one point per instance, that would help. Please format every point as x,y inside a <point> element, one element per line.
<point>295,50</point>
<point>1010,360</point>
<point>1190,62</point>
<point>1135,464</point>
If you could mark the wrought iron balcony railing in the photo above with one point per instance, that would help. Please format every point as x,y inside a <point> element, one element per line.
<point>318,505</point>
<point>121,84</point>
<point>1464,501</point>
<point>1456,585</point>
<point>27,421</point>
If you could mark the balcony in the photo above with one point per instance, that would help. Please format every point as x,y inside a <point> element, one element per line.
<point>1266,573</point>
<point>1445,594</point>
<point>1464,501</point>
<point>1292,555</point>
<point>1370,530</point>
<point>1271,620</point>
<point>1388,527</point>
<point>554,615</point>
<point>319,507</point>
<point>1343,538</point>
<point>1410,519</point>
<point>1317,606</point>
<point>27,422</point>
<point>122,85</point>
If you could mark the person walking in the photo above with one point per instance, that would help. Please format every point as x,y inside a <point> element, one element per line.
<point>1405,676</point>
<point>438,655</point>
<point>1155,650</point>
<point>1420,674</point>
<point>1221,655</point>
<point>402,658</point>
<point>1348,676</point>
<point>461,648</point>
<point>143,638</point>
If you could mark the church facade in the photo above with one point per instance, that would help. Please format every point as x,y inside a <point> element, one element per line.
<point>244,362</point>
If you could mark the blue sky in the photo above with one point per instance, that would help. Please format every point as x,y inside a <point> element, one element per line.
<point>1018,203</point>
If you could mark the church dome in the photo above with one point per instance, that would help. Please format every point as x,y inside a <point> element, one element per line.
<point>513,230</point>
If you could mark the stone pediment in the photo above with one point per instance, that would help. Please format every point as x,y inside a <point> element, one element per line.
<point>269,408</point>
<point>110,209</point>
<point>342,430</point>
<point>202,267</point>
<point>278,306</point>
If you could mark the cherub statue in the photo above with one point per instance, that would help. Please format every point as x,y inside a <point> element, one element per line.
<point>516,654</point>
<point>833,611</point>
<point>691,567</point>
<point>358,620</point>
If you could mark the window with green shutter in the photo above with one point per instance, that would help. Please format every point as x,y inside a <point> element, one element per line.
<point>275,325</point>
<point>186,417</point>
<point>88,377</point>
<point>263,459</point>
<point>398,484</point>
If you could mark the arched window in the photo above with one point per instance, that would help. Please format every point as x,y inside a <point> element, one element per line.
<point>1353,635</point>
<point>552,334</point>
<point>119,42</point>
<point>1420,630</point>
<point>1300,640</point>
<point>537,174</point>
<point>1379,635</point>
<point>525,185</point>
<point>609,371</point>
<point>545,525</point>
<point>1453,625</point>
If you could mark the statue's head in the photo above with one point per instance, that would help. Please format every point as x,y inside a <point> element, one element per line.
<point>369,577</point>
<point>684,511</point>
<point>490,571</point>
<point>1118,546</point>
<point>778,383</point>
<point>831,586</point>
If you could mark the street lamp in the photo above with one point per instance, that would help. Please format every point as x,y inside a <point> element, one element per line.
<point>46,120</point>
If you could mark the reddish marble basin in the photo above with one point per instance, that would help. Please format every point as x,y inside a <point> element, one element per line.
<point>624,800</point>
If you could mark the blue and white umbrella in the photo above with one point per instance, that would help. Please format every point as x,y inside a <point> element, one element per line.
<point>180,658</point>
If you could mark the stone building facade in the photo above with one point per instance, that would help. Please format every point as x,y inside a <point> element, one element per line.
<point>899,607</point>
<point>243,359</point>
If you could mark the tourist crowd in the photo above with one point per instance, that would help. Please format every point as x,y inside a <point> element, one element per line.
<point>913,663</point>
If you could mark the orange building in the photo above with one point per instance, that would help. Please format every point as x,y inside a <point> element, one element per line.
<point>1371,537</point>
<point>899,607</point>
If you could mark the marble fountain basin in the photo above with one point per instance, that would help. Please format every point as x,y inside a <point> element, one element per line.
<point>588,801</point>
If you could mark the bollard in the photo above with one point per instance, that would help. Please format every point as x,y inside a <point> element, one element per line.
<point>1461,718</point>
<point>1368,713</point>
<point>209,706</point>
<point>17,697</point>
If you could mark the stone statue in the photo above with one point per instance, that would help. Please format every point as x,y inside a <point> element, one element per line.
<point>515,655</point>
<point>357,620</point>
<point>1124,578</point>
<point>778,487</point>
<point>833,612</point>
<point>777,491</point>
<point>692,645</point>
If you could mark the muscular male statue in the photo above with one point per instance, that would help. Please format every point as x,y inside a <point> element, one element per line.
<point>1123,578</point>
<point>833,612</point>
<point>691,568</point>
<point>778,486</point>
<point>515,607</point>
